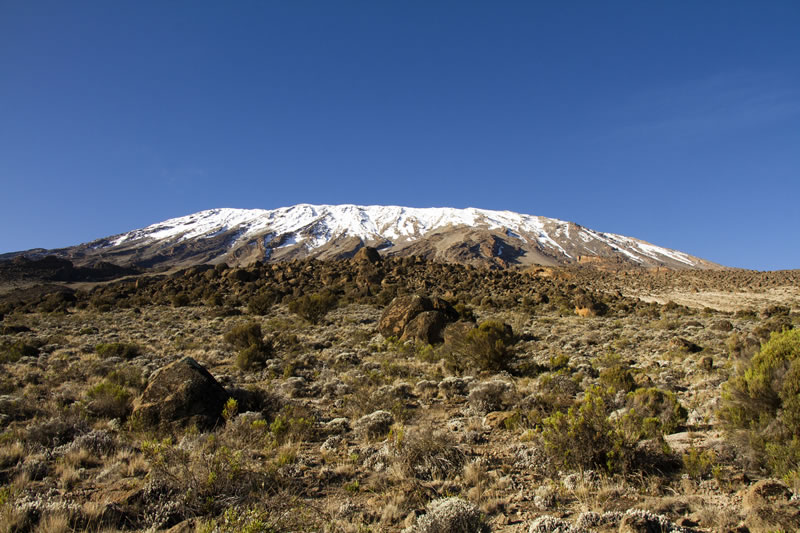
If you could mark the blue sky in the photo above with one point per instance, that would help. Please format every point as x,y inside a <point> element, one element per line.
<point>675,122</point>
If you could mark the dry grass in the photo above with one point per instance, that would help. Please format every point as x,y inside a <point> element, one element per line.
<point>442,444</point>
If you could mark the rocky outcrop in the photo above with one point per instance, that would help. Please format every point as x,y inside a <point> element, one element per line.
<point>181,394</point>
<point>417,317</point>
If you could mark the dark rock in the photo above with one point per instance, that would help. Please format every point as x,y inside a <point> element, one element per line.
<point>426,327</point>
<point>181,394</point>
<point>367,254</point>
<point>722,325</point>
<point>400,312</point>
<point>684,345</point>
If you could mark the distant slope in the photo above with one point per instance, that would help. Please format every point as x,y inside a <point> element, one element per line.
<point>469,236</point>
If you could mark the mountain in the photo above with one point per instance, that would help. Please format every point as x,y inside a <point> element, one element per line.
<point>470,236</point>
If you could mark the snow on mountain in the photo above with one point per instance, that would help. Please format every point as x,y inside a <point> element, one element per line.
<point>309,229</point>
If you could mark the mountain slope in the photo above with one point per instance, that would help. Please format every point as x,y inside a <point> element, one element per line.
<point>472,236</point>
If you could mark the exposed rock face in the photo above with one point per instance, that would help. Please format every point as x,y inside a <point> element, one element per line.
<point>181,394</point>
<point>399,315</point>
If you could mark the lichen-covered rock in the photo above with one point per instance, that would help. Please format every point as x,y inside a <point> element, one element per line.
<point>181,394</point>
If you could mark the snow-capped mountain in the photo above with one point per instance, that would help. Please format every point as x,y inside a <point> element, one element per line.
<point>476,236</point>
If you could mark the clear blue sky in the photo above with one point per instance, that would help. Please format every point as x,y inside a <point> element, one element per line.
<point>675,122</point>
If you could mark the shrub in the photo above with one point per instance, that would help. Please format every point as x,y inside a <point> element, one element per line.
<point>313,307</point>
<point>652,413</point>
<point>13,352</point>
<point>252,356</point>
<point>485,347</point>
<point>584,437</point>
<point>109,400</point>
<point>253,349</point>
<point>181,300</point>
<point>451,515</point>
<point>260,304</point>
<point>245,335</point>
<point>118,349</point>
<point>763,401</point>
<point>617,377</point>
<point>427,455</point>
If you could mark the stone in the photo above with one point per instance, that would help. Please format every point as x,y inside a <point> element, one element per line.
<point>403,309</point>
<point>367,254</point>
<point>426,327</point>
<point>181,394</point>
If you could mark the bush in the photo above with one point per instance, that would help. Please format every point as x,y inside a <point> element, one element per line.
<point>583,437</point>
<point>109,400</point>
<point>427,455</point>
<point>485,347</point>
<point>260,304</point>
<point>763,401</point>
<point>253,349</point>
<point>313,307</point>
<point>13,352</point>
<point>181,300</point>
<point>118,349</point>
<point>245,335</point>
<point>451,515</point>
<point>652,413</point>
<point>617,377</point>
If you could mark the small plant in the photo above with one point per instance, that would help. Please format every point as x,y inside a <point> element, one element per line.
<point>763,401</point>
<point>118,349</point>
<point>313,307</point>
<point>109,400</point>
<point>13,352</point>
<point>260,304</point>
<point>486,347</point>
<point>617,377</point>
<point>253,349</point>
<point>699,464</point>
<point>584,438</point>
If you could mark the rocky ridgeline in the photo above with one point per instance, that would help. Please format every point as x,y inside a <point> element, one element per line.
<point>367,277</point>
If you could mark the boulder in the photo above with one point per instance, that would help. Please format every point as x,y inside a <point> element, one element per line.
<point>367,254</point>
<point>425,327</point>
<point>400,312</point>
<point>180,394</point>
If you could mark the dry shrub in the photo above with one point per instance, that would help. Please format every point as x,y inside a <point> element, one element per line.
<point>427,455</point>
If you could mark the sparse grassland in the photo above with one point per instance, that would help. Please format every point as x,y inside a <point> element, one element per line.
<point>592,420</point>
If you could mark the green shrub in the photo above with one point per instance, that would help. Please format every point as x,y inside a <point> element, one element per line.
<point>181,300</point>
<point>109,400</point>
<point>118,349</point>
<point>652,413</point>
<point>252,356</point>
<point>245,335</point>
<point>253,349</point>
<point>763,401</point>
<point>260,304</point>
<point>584,438</point>
<point>13,352</point>
<point>313,307</point>
<point>486,347</point>
<point>617,377</point>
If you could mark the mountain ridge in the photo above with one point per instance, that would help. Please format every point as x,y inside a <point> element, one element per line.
<point>473,236</point>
